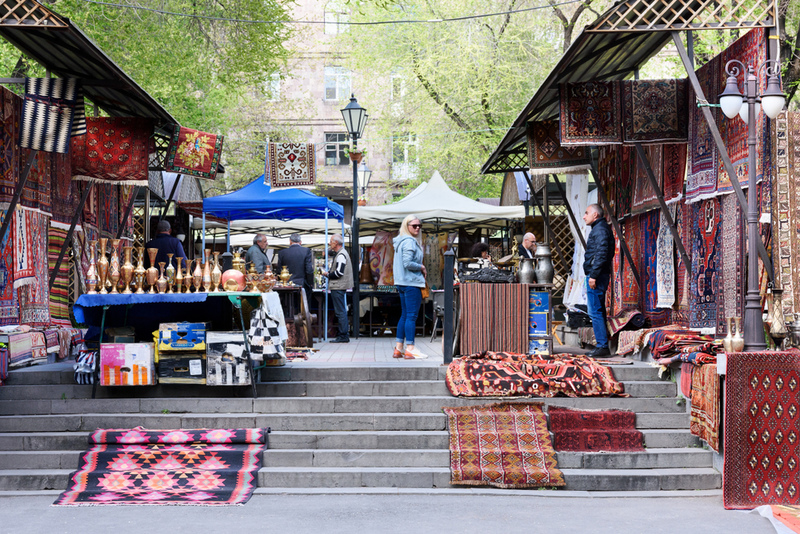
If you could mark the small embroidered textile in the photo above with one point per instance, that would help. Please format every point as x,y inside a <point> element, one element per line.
<point>655,111</point>
<point>47,114</point>
<point>547,156</point>
<point>705,412</point>
<point>114,149</point>
<point>194,153</point>
<point>292,165</point>
<point>590,113</point>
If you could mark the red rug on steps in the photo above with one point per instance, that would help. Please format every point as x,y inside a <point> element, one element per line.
<point>594,431</point>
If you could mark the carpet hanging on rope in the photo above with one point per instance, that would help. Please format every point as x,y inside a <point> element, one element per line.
<point>292,165</point>
<point>194,153</point>
<point>594,430</point>
<point>506,445</point>
<point>201,467</point>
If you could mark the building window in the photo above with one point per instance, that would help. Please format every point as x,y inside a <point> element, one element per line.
<point>337,83</point>
<point>405,157</point>
<point>335,143</point>
<point>272,88</point>
<point>336,18</point>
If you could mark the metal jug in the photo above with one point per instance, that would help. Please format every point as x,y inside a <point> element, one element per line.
<point>525,273</point>
<point>544,264</point>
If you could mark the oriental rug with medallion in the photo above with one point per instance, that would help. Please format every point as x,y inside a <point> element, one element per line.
<point>178,467</point>
<point>506,445</point>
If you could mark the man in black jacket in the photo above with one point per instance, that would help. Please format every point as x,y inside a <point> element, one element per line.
<point>597,267</point>
<point>299,261</point>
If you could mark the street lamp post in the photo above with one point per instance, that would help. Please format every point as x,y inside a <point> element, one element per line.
<point>355,119</point>
<point>772,101</point>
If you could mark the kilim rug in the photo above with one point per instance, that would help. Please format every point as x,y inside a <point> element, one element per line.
<point>292,165</point>
<point>665,263</point>
<point>503,326</point>
<point>547,156</point>
<point>194,153</point>
<point>59,293</point>
<point>590,113</point>
<point>502,374</point>
<point>34,298</point>
<point>506,445</point>
<point>22,229</point>
<point>761,429</point>
<point>687,371</point>
<point>9,150</point>
<point>705,412</point>
<point>594,430</point>
<point>114,149</point>
<point>705,264</point>
<point>655,110</point>
<point>9,305</point>
<point>701,179</point>
<point>36,194</point>
<point>682,309</point>
<point>47,113</point>
<point>189,467</point>
<point>644,196</point>
<point>672,339</point>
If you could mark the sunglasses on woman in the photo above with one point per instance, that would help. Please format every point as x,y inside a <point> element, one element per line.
<point>415,226</point>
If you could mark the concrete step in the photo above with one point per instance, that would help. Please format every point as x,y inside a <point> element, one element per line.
<point>399,439</point>
<point>39,459</point>
<point>690,478</point>
<point>34,479</point>
<point>649,459</point>
<point>44,441</point>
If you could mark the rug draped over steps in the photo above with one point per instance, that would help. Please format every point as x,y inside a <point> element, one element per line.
<point>594,430</point>
<point>188,467</point>
<point>506,445</point>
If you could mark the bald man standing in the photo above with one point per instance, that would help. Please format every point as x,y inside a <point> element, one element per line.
<point>527,247</point>
<point>597,262</point>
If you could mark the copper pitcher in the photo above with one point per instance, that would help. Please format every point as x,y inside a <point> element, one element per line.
<point>102,266</point>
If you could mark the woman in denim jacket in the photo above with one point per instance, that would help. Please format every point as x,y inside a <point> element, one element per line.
<point>409,277</point>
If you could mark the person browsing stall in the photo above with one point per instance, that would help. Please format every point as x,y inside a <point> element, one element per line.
<point>257,254</point>
<point>299,261</point>
<point>409,277</point>
<point>527,247</point>
<point>597,262</point>
<point>166,244</point>
<point>340,279</point>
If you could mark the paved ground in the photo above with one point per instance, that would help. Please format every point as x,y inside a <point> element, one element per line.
<point>386,514</point>
<point>374,349</point>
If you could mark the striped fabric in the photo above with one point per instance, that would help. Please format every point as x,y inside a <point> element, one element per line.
<point>79,120</point>
<point>59,293</point>
<point>48,110</point>
<point>493,317</point>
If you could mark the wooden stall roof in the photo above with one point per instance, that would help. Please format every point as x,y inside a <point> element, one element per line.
<point>613,47</point>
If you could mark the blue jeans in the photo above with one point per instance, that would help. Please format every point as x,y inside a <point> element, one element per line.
<point>596,305</point>
<point>410,299</point>
<point>338,296</point>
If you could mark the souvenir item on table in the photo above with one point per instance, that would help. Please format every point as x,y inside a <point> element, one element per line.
<point>238,262</point>
<point>544,264</point>
<point>161,283</point>
<point>170,273</point>
<point>91,273</point>
<point>232,280</point>
<point>178,276</point>
<point>127,271</point>
<point>187,278</point>
<point>252,279</point>
<point>266,281</point>
<point>197,275</point>
<point>728,339</point>
<point>102,266</point>
<point>152,271</point>
<point>285,276</point>
<point>737,343</point>
<point>194,153</point>
<point>140,272</point>
<point>525,273</point>
<point>777,330</point>
<point>216,273</point>
<point>207,271</point>
<point>113,266</point>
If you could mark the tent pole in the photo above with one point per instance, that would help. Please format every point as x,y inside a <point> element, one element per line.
<point>203,250</point>
<point>324,314</point>
<point>228,238</point>
<point>171,196</point>
<point>569,208</point>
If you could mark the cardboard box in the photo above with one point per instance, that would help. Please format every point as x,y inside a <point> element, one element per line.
<point>226,360</point>
<point>182,336</point>
<point>123,334</point>
<point>127,364</point>
<point>182,368</point>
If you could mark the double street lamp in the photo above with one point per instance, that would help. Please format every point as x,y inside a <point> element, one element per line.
<point>772,101</point>
<point>355,120</point>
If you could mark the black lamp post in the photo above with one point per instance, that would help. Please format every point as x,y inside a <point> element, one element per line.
<point>355,119</point>
<point>772,101</point>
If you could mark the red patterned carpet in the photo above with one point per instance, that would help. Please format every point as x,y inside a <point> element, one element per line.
<point>506,445</point>
<point>189,467</point>
<point>594,431</point>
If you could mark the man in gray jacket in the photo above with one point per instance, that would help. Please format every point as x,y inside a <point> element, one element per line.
<point>340,279</point>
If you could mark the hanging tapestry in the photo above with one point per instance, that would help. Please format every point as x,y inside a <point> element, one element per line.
<point>674,160</point>
<point>655,111</point>
<point>705,400</point>
<point>9,151</point>
<point>786,208</point>
<point>292,165</point>
<point>381,258</point>
<point>66,192</point>
<point>125,193</point>
<point>594,430</point>
<point>701,179</point>
<point>648,269</point>
<point>435,247</point>
<point>590,113</point>
<point>547,156</point>
<point>194,153</point>
<point>681,312</point>
<point>506,445</point>
<point>750,49</point>
<point>34,297</point>
<point>627,162</point>
<point>761,425</point>
<point>23,228</point>
<point>731,299</point>
<point>630,288</point>
<point>48,109</point>
<point>108,209</point>
<point>37,194</point>
<point>9,305</point>
<point>665,263</point>
<point>59,293</point>
<point>705,264</point>
<point>608,172</point>
<point>200,467</point>
<point>645,197</point>
<point>500,327</point>
<point>114,149</point>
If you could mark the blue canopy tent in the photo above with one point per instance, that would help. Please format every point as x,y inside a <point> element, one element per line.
<point>257,200</point>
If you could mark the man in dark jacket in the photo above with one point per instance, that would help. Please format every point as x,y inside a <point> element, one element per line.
<point>597,263</point>
<point>299,261</point>
<point>166,244</point>
<point>257,254</point>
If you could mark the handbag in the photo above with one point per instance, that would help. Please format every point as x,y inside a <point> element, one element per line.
<point>426,291</point>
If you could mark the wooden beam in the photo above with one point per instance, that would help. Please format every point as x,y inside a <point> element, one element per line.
<point>546,219</point>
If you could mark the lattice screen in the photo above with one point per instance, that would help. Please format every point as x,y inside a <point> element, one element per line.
<point>559,225</point>
<point>138,231</point>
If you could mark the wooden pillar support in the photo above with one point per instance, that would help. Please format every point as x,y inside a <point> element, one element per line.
<point>569,209</point>
<point>547,224</point>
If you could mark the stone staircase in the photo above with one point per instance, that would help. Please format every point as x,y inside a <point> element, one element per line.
<point>336,428</point>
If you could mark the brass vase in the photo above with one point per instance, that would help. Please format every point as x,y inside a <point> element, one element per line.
<point>726,342</point>
<point>161,283</point>
<point>285,276</point>
<point>737,343</point>
<point>178,276</point>
<point>127,271</point>
<point>252,279</point>
<point>207,271</point>
<point>216,274</point>
<point>102,266</point>
<point>139,273</point>
<point>170,273</point>
<point>197,276</point>
<point>152,271</point>
<point>187,278</point>
<point>114,273</point>
<point>239,263</point>
<point>91,272</point>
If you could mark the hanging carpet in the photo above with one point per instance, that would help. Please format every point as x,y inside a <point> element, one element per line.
<point>701,179</point>
<point>648,270</point>
<point>685,223</point>
<point>665,264</point>
<point>546,154</point>
<point>674,171</point>
<point>732,282</point>
<point>48,110</point>
<point>705,405</point>
<point>194,153</point>
<point>34,297</point>
<point>644,196</point>
<point>190,467</point>
<point>655,111</point>
<point>761,429</point>
<point>630,287</point>
<point>590,113</point>
<point>594,430</point>
<point>9,304</point>
<point>501,326</point>
<point>786,208</point>
<point>114,149</point>
<point>502,374</point>
<point>625,183</point>
<point>706,254</point>
<point>10,105</point>
<point>59,293</point>
<point>506,445</point>
<point>292,165</point>
<point>65,191</point>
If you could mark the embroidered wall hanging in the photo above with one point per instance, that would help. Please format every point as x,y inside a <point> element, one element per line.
<point>292,165</point>
<point>194,153</point>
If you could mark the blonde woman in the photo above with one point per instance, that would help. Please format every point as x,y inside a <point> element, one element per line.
<point>409,277</point>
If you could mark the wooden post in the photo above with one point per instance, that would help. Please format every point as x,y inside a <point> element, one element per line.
<point>569,209</point>
<point>547,224</point>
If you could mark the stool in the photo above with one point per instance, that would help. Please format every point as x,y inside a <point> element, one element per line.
<point>556,324</point>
